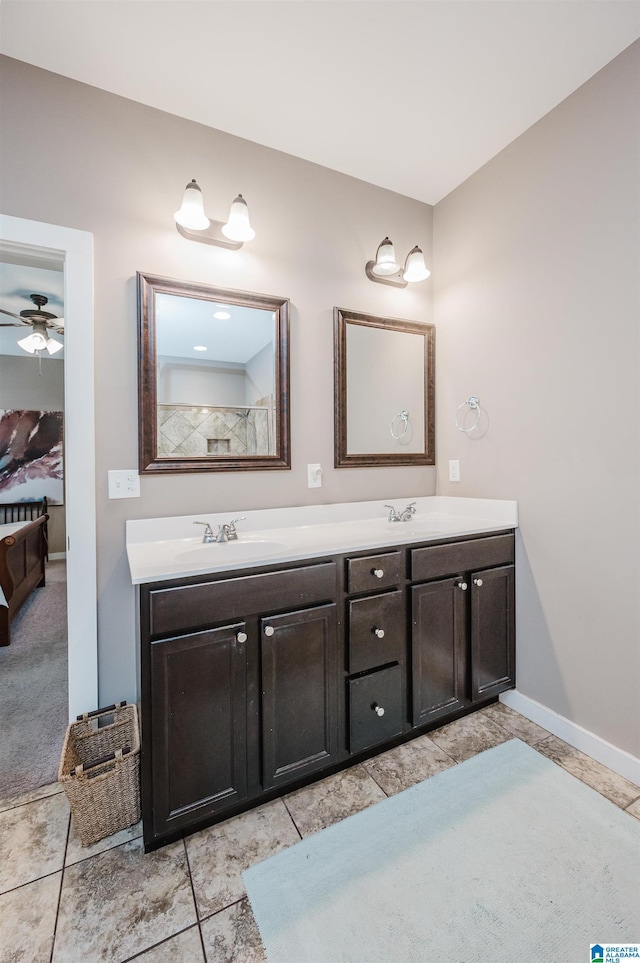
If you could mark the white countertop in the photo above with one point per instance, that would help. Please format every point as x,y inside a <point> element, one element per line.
<point>164,548</point>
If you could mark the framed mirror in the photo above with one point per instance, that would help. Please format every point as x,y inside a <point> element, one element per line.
<point>213,379</point>
<point>384,377</point>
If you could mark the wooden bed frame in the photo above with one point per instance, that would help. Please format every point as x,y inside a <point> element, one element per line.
<point>22,558</point>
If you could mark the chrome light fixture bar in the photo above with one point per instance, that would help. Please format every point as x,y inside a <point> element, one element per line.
<point>193,223</point>
<point>386,270</point>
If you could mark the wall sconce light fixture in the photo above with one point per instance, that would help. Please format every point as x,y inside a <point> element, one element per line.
<point>193,223</point>
<point>386,270</point>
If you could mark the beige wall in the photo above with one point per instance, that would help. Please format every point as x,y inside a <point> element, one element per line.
<point>536,274</point>
<point>537,310</point>
<point>75,156</point>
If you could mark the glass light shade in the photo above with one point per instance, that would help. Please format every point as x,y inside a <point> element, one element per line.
<point>191,214</point>
<point>385,259</point>
<point>33,342</point>
<point>238,227</point>
<point>414,268</point>
<point>53,345</point>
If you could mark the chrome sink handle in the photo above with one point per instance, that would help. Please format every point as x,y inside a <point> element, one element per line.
<point>208,535</point>
<point>405,515</point>
<point>231,528</point>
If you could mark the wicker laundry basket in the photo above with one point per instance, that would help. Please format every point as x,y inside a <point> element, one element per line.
<point>100,771</point>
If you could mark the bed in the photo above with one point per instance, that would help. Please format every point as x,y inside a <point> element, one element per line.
<point>23,552</point>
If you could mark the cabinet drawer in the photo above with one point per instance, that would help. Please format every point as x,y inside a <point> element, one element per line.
<point>376,631</point>
<point>375,707</point>
<point>374,572</point>
<point>187,607</point>
<point>434,561</point>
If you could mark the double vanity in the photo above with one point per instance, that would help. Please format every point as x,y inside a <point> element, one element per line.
<point>319,636</point>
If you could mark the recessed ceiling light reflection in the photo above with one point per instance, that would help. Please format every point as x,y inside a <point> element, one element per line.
<point>222,315</point>
<point>199,347</point>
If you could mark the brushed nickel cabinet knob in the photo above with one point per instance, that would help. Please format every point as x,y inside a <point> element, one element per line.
<point>378,572</point>
<point>477,581</point>
<point>379,633</point>
<point>379,711</point>
<point>241,637</point>
<point>269,630</point>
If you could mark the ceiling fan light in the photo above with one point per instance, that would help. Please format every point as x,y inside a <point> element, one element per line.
<point>27,344</point>
<point>386,263</point>
<point>414,268</point>
<point>191,214</point>
<point>35,341</point>
<point>238,227</point>
<point>53,346</point>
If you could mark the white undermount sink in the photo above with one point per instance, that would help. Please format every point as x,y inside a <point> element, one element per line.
<point>415,527</point>
<point>240,550</point>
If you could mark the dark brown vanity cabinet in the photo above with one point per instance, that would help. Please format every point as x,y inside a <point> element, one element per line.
<point>492,631</point>
<point>299,697</point>
<point>198,725</point>
<point>376,649</point>
<point>243,705</point>
<point>256,681</point>
<point>463,625</point>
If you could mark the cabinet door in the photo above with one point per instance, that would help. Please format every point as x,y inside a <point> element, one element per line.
<point>299,693</point>
<point>492,631</point>
<point>439,648</point>
<point>198,739</point>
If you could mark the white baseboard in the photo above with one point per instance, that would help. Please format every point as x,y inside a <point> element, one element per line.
<point>610,756</point>
<point>56,556</point>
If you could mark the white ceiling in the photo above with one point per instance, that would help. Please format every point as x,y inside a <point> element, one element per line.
<point>411,95</point>
<point>184,322</point>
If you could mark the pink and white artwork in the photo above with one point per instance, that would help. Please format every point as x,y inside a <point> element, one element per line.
<point>31,456</point>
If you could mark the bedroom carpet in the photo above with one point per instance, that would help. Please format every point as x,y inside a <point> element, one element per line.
<point>504,857</point>
<point>34,688</point>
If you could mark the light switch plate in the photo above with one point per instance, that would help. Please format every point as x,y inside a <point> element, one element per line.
<point>314,476</point>
<point>124,484</point>
<point>454,470</point>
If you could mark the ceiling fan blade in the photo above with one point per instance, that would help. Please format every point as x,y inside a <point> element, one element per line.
<point>11,314</point>
<point>9,325</point>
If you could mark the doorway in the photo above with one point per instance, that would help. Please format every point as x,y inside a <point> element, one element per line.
<point>38,240</point>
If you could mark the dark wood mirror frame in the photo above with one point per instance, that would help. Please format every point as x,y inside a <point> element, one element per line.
<point>149,460</point>
<point>345,459</point>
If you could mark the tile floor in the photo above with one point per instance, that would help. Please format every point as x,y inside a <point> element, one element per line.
<point>185,903</point>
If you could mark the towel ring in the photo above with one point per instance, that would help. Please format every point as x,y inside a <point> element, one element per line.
<point>473,403</point>
<point>404,417</point>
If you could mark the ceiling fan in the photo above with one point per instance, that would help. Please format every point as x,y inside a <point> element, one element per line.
<point>39,321</point>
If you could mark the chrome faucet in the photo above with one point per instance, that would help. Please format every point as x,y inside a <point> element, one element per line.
<point>225,533</point>
<point>208,535</point>
<point>232,535</point>
<point>404,515</point>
